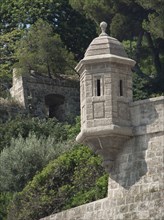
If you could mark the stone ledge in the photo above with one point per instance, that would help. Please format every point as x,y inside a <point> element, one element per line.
<point>104,130</point>
<point>105,58</point>
<point>147,101</point>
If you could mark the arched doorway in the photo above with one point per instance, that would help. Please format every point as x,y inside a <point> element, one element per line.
<point>55,105</point>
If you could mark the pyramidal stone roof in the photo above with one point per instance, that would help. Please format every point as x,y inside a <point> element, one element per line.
<point>104,49</point>
<point>104,44</point>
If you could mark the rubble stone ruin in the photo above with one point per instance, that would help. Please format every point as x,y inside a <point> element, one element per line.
<point>45,97</point>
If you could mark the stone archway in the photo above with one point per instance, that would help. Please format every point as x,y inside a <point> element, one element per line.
<point>55,105</point>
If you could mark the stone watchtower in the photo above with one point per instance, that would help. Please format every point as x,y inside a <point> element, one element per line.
<point>106,91</point>
<point>128,135</point>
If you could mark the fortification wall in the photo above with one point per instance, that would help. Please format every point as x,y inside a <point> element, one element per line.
<point>136,182</point>
<point>38,89</point>
<point>31,92</point>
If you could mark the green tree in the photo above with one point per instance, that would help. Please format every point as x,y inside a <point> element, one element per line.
<point>74,29</point>
<point>7,58</point>
<point>74,178</point>
<point>97,10</point>
<point>42,52</point>
<point>23,126</point>
<point>24,157</point>
<point>154,24</point>
<point>5,199</point>
<point>127,19</point>
<point>34,140</point>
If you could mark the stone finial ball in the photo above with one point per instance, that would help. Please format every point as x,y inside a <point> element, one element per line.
<point>103,26</point>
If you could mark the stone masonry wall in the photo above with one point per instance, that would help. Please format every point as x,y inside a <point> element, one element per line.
<point>38,89</point>
<point>136,184</point>
<point>17,90</point>
<point>31,91</point>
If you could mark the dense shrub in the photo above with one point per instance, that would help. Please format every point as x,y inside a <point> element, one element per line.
<point>5,198</point>
<point>24,125</point>
<point>73,129</point>
<point>29,144</point>
<point>20,162</point>
<point>72,179</point>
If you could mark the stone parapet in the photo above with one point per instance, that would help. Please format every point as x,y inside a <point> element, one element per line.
<point>147,116</point>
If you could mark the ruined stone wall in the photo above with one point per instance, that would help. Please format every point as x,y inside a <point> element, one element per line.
<point>136,183</point>
<point>37,89</point>
<point>17,90</point>
<point>31,92</point>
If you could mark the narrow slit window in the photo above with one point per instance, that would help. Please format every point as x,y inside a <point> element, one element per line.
<point>98,87</point>
<point>121,88</point>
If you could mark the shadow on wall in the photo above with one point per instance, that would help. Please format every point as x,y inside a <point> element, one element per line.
<point>130,164</point>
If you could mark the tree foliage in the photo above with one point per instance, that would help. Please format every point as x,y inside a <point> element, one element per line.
<point>5,199</point>
<point>74,29</point>
<point>154,23</point>
<point>75,177</point>
<point>140,22</point>
<point>7,58</point>
<point>24,157</point>
<point>72,179</point>
<point>22,126</point>
<point>42,52</point>
<point>95,9</point>
<point>28,144</point>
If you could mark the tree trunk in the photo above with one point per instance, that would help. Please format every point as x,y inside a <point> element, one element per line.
<point>138,46</point>
<point>49,72</point>
<point>155,54</point>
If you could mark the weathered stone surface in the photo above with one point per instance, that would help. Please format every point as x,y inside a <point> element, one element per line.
<point>105,97</point>
<point>45,97</point>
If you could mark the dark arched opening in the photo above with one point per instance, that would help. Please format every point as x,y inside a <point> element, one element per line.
<point>54,103</point>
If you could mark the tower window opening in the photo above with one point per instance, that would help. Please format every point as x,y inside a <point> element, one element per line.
<point>98,87</point>
<point>121,87</point>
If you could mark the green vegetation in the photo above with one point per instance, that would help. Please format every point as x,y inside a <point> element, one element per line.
<point>7,58</point>
<point>72,179</point>
<point>24,157</point>
<point>139,24</point>
<point>22,126</point>
<point>71,175</point>
<point>41,52</point>
<point>72,25</point>
<point>5,199</point>
<point>42,170</point>
<point>74,30</point>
